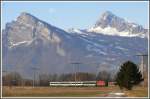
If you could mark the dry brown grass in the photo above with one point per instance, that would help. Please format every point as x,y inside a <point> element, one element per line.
<point>70,91</point>
<point>57,91</point>
<point>138,91</point>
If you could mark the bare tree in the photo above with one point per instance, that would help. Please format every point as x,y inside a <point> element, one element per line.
<point>12,79</point>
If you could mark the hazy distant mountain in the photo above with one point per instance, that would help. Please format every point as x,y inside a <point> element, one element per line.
<point>30,42</point>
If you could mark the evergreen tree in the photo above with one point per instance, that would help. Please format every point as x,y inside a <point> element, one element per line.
<point>129,75</point>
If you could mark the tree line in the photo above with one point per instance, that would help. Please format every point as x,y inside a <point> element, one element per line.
<point>16,79</point>
<point>128,76</point>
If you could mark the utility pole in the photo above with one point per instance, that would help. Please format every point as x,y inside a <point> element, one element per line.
<point>5,72</point>
<point>75,64</point>
<point>142,66</point>
<point>34,73</point>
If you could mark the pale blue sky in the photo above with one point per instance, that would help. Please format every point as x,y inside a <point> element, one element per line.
<point>75,14</point>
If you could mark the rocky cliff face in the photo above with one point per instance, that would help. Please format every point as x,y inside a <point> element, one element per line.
<point>30,42</point>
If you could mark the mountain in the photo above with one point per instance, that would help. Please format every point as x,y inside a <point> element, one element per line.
<point>113,25</point>
<point>29,42</point>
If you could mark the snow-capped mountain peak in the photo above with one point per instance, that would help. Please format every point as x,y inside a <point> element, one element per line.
<point>107,15</point>
<point>29,42</point>
<point>110,24</point>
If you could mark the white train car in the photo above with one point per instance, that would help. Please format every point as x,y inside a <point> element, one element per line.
<point>73,84</point>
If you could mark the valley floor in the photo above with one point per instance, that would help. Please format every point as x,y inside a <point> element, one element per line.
<point>137,92</point>
<point>70,92</point>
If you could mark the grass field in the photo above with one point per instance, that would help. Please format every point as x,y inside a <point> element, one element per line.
<point>57,91</point>
<point>137,92</point>
<point>70,91</point>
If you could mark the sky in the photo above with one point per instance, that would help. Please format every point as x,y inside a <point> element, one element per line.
<point>79,15</point>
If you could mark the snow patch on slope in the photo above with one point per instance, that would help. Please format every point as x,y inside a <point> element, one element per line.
<point>121,48</point>
<point>113,31</point>
<point>94,49</point>
<point>60,51</point>
<point>19,43</point>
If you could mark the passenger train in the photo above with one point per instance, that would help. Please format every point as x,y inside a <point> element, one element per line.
<point>77,83</point>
